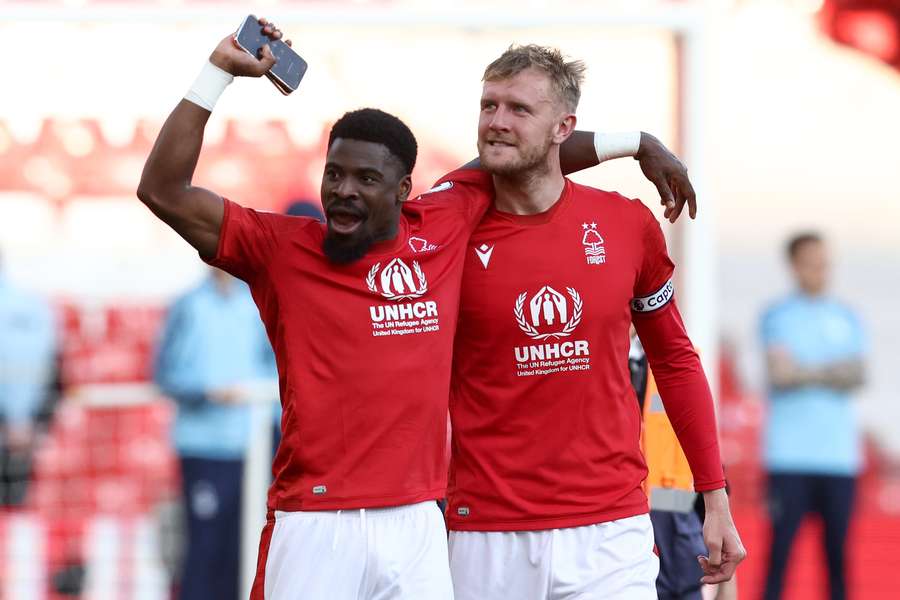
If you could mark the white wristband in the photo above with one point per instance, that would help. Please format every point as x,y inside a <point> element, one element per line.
<point>208,86</point>
<point>616,145</point>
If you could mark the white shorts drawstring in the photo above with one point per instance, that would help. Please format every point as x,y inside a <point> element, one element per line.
<point>337,532</point>
<point>340,523</point>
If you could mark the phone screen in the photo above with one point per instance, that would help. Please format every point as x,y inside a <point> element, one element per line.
<point>289,69</point>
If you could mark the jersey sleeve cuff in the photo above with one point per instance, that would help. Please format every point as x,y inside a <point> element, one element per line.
<point>709,487</point>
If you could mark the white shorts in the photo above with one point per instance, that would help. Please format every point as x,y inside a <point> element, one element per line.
<point>374,554</point>
<point>608,561</point>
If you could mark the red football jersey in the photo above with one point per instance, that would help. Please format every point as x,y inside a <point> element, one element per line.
<point>546,425</point>
<point>364,350</point>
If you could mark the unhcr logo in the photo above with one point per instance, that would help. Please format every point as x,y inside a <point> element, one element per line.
<point>397,281</point>
<point>549,309</point>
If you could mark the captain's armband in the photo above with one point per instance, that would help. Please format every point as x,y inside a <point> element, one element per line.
<point>656,300</point>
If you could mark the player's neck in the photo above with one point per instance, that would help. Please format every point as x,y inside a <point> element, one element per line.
<point>531,192</point>
<point>389,231</point>
<point>812,293</point>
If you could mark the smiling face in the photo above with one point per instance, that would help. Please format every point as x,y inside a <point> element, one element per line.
<point>522,118</point>
<point>363,187</point>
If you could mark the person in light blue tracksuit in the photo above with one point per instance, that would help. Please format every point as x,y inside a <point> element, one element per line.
<point>213,346</point>
<point>815,349</point>
<point>27,357</point>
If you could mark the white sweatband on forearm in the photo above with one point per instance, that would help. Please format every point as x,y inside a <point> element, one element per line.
<point>208,86</point>
<point>616,145</point>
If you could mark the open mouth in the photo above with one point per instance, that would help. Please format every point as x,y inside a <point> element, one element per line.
<point>344,222</point>
<point>499,142</point>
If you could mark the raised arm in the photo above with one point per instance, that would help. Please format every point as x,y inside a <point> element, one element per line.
<point>166,184</point>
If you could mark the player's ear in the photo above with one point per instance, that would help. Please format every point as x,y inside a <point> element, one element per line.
<point>565,127</point>
<point>404,187</point>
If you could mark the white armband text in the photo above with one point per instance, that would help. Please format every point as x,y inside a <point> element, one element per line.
<point>656,300</point>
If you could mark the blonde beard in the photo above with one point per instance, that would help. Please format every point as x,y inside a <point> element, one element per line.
<point>533,159</point>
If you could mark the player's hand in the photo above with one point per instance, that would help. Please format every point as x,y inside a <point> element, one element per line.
<point>229,57</point>
<point>722,540</point>
<point>669,175</point>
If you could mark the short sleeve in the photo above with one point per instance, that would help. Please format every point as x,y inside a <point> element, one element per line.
<point>247,241</point>
<point>473,188</point>
<point>653,287</point>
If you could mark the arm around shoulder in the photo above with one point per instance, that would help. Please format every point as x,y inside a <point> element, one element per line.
<point>585,149</point>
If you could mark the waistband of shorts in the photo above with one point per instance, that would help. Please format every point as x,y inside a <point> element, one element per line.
<point>638,521</point>
<point>358,513</point>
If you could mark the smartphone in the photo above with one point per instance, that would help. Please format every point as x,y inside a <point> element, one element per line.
<point>290,68</point>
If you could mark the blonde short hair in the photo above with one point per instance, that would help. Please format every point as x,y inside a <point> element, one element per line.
<point>565,76</point>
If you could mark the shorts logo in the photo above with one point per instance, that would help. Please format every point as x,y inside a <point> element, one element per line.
<point>396,280</point>
<point>549,309</point>
<point>463,511</point>
<point>593,244</point>
<point>319,490</point>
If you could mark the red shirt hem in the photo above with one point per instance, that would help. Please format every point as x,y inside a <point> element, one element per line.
<point>294,504</point>
<point>465,524</point>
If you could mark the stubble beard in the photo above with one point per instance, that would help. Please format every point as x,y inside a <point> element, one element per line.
<point>532,162</point>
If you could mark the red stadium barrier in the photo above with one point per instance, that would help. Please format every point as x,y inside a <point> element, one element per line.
<point>257,164</point>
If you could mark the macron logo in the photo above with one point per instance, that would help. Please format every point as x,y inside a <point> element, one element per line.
<point>484,254</point>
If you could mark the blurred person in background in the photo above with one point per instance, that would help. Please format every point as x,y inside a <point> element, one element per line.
<point>213,353</point>
<point>815,356</point>
<point>27,358</point>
